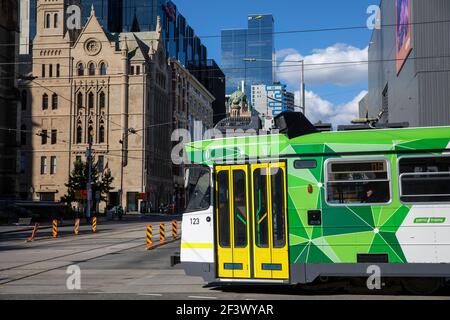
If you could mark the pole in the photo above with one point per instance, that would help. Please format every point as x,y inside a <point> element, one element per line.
<point>303,87</point>
<point>121,170</point>
<point>89,180</point>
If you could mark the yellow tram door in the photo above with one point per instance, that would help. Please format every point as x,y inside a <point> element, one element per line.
<point>269,203</point>
<point>233,231</point>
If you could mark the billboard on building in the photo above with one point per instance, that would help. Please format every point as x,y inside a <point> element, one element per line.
<point>403,32</point>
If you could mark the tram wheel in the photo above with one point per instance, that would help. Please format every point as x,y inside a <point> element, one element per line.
<point>422,286</point>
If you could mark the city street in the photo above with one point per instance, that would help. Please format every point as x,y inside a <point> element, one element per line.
<point>115,264</point>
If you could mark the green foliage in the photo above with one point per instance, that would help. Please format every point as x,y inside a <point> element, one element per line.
<point>78,181</point>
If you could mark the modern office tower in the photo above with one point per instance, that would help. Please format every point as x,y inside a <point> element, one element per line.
<point>9,96</point>
<point>271,100</point>
<point>213,79</point>
<point>248,54</point>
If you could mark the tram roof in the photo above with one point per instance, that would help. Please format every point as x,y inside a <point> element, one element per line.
<point>383,141</point>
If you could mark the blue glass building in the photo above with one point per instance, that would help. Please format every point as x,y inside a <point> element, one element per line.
<point>256,43</point>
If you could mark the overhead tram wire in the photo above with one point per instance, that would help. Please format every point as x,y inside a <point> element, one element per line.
<point>312,30</point>
<point>290,64</point>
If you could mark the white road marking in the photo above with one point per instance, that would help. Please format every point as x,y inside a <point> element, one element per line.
<point>199,297</point>
<point>151,294</point>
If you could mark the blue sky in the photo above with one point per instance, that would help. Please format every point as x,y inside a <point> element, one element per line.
<point>331,91</point>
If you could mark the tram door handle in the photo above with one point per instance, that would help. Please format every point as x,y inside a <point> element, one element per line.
<point>315,217</point>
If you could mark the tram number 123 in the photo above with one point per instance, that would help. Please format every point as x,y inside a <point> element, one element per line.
<point>195,221</point>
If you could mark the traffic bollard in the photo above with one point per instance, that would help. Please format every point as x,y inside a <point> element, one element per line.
<point>149,234</point>
<point>54,228</point>
<point>162,233</point>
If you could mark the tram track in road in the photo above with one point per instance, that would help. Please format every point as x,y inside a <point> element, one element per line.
<point>110,236</point>
<point>71,263</point>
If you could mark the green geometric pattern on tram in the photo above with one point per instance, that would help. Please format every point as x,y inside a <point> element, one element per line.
<point>419,144</point>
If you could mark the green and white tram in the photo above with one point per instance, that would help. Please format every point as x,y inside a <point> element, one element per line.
<point>293,208</point>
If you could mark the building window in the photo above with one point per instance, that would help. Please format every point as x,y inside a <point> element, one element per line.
<point>43,165</point>
<point>54,101</point>
<point>79,133</point>
<point>91,100</point>
<point>58,70</point>
<point>43,71</point>
<point>91,69</point>
<point>101,133</point>
<point>79,101</point>
<point>24,100</point>
<point>101,164</point>
<point>54,136</point>
<point>103,69</point>
<point>357,182</point>
<point>45,102</point>
<point>80,69</point>
<point>132,70</point>
<point>53,165</point>
<point>23,135</point>
<point>55,21</point>
<point>23,163</point>
<point>50,70</point>
<point>44,137</point>
<point>425,179</point>
<point>47,21</point>
<point>102,101</point>
<point>138,70</point>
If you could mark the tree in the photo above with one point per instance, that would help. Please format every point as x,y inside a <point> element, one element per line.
<point>78,181</point>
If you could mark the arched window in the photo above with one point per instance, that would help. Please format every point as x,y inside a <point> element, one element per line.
<point>54,101</point>
<point>79,101</point>
<point>91,100</point>
<point>45,102</point>
<point>101,133</point>
<point>79,133</point>
<point>91,69</point>
<point>55,21</point>
<point>23,135</point>
<point>80,69</point>
<point>102,101</point>
<point>24,100</point>
<point>47,21</point>
<point>103,69</point>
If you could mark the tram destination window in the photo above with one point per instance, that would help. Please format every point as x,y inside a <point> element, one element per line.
<point>425,179</point>
<point>198,188</point>
<point>358,182</point>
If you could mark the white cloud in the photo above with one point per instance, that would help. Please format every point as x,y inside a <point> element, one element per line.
<point>319,67</point>
<point>319,109</point>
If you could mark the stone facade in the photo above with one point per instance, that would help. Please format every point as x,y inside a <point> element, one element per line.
<point>192,109</point>
<point>113,86</point>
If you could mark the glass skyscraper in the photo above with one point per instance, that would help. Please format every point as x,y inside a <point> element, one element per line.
<point>256,44</point>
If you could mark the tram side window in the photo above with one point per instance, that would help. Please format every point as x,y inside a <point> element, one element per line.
<point>223,195</point>
<point>261,208</point>
<point>425,179</point>
<point>278,210</point>
<point>358,182</point>
<point>240,209</point>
